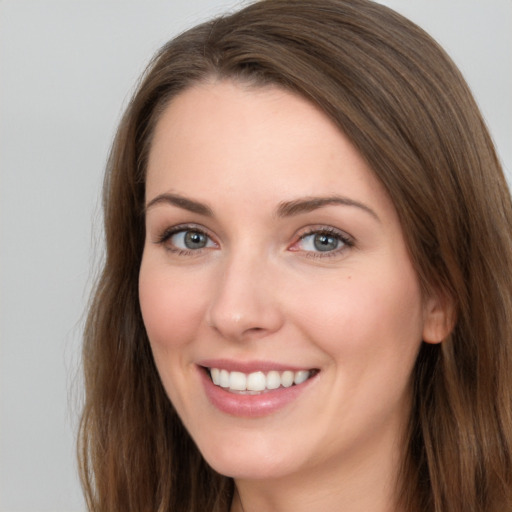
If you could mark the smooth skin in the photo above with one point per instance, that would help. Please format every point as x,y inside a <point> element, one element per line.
<point>247,268</point>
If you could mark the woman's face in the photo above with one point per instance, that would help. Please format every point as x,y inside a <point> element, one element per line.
<point>273,255</point>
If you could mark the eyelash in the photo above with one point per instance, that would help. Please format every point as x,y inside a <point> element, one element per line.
<point>346,241</point>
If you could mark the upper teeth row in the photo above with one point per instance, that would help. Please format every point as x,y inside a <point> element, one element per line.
<point>257,381</point>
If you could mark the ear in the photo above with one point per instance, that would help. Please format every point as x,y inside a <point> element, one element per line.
<point>439,317</point>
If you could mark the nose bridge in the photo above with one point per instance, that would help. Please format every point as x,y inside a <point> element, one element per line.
<point>244,301</point>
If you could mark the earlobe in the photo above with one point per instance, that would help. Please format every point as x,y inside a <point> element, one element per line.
<point>439,318</point>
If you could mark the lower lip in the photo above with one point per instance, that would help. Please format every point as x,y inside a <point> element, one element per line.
<point>251,406</point>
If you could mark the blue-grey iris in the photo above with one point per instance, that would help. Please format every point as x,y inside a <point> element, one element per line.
<point>324,242</point>
<point>195,240</point>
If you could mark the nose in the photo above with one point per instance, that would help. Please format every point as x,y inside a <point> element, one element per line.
<point>244,303</point>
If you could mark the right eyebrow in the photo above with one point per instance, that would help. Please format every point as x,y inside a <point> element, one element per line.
<point>309,204</point>
<point>180,202</point>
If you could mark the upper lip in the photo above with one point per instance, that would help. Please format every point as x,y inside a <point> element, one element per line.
<point>249,366</point>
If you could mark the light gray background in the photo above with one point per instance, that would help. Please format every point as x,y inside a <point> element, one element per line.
<point>66,70</point>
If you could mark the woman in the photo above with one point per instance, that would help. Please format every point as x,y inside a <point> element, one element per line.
<point>306,297</point>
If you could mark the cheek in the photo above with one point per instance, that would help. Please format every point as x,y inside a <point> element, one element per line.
<point>370,329</point>
<point>365,315</point>
<point>170,305</point>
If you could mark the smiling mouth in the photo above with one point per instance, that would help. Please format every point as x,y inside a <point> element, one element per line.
<point>258,382</point>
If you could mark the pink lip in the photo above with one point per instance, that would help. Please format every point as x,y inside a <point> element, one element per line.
<point>250,406</point>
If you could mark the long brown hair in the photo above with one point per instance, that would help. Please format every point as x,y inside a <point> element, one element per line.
<point>404,105</point>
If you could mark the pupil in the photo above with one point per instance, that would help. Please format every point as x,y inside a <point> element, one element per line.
<point>195,240</point>
<point>325,242</point>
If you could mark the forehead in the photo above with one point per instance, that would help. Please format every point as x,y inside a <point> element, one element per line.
<point>227,140</point>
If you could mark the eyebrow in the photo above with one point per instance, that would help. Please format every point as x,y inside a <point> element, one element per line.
<point>180,202</point>
<point>285,209</point>
<point>309,204</point>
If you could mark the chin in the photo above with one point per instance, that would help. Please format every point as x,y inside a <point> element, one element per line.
<point>249,462</point>
<point>250,470</point>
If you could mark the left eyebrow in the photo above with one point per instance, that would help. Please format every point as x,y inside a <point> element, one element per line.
<point>309,204</point>
<point>180,202</point>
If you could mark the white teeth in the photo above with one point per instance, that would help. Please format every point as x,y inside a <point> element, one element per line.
<point>224,379</point>
<point>215,374</point>
<point>237,381</point>
<point>287,379</point>
<point>257,381</point>
<point>273,380</point>
<point>300,377</point>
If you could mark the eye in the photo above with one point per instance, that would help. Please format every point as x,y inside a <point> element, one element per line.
<point>322,242</point>
<point>325,241</point>
<point>184,240</point>
<point>190,240</point>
